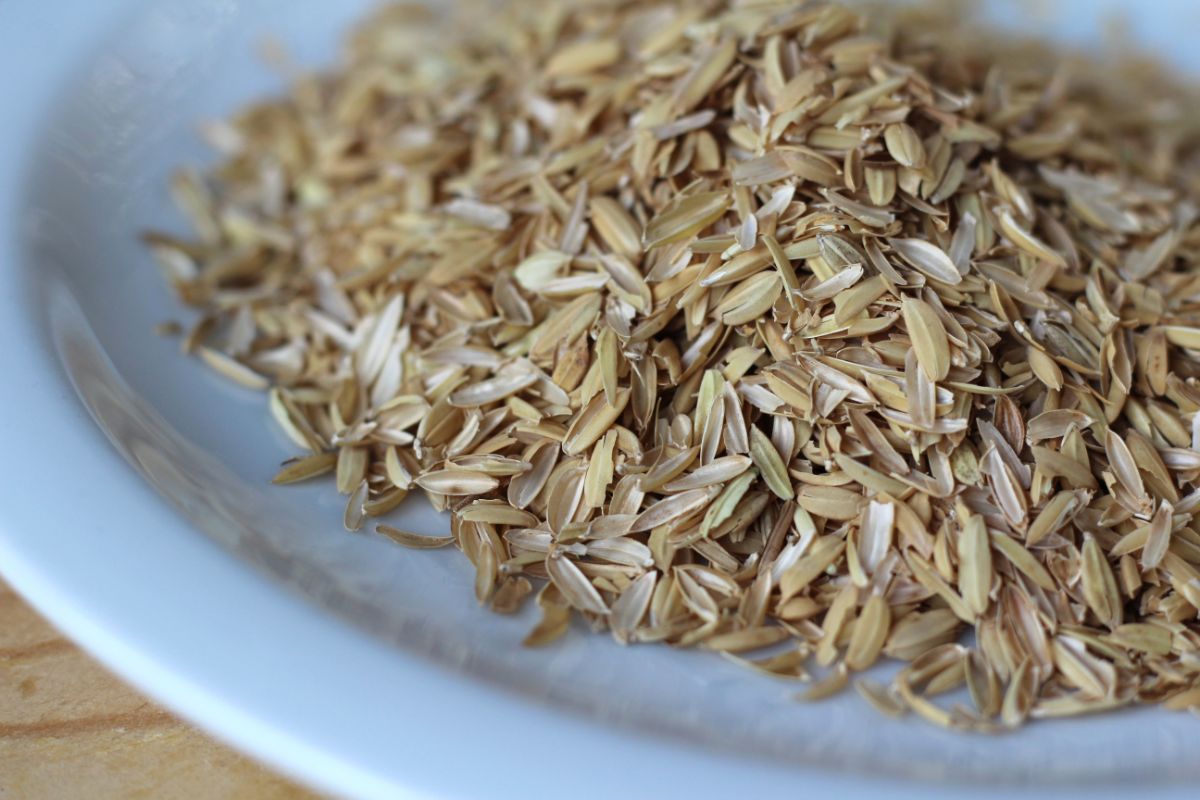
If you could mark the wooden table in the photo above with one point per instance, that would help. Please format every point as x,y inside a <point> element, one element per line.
<point>69,729</point>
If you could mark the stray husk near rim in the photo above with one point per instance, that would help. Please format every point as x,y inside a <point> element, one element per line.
<point>744,326</point>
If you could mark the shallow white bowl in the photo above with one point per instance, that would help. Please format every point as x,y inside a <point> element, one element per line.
<point>141,522</point>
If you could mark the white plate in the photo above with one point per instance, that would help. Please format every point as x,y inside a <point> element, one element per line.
<point>352,664</point>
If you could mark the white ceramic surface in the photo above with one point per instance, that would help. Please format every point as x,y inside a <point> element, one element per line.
<point>141,522</point>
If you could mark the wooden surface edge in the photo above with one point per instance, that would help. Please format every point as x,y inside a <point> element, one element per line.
<point>69,728</point>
